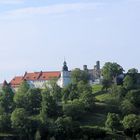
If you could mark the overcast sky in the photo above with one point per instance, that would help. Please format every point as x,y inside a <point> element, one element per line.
<point>37,35</point>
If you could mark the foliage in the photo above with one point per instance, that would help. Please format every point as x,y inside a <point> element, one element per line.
<point>19,118</point>
<point>67,128</point>
<point>134,97</point>
<point>131,122</point>
<point>37,135</point>
<point>6,99</point>
<point>128,82</point>
<point>5,123</point>
<point>20,97</point>
<point>49,107</point>
<point>70,92</point>
<point>110,71</point>
<point>74,109</point>
<point>78,75</point>
<point>132,71</point>
<point>96,133</point>
<point>34,101</point>
<point>106,84</point>
<point>127,107</point>
<point>54,89</point>
<point>113,121</point>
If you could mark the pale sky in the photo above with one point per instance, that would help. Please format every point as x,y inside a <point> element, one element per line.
<point>37,35</point>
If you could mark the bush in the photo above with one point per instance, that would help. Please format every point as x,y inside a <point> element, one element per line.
<point>74,109</point>
<point>94,132</point>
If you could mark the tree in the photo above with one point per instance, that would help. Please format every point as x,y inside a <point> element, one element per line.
<point>54,89</point>
<point>132,123</point>
<point>127,107</point>
<point>66,128</point>
<point>6,98</point>
<point>113,121</point>
<point>37,135</point>
<point>134,97</point>
<point>34,101</point>
<point>49,107</point>
<point>78,75</point>
<point>5,123</point>
<point>134,74</point>
<point>19,119</point>
<point>70,92</point>
<point>128,82</point>
<point>106,84</point>
<point>121,92</point>
<point>83,88</point>
<point>20,97</point>
<point>110,71</point>
<point>133,71</point>
<point>74,109</point>
<point>23,124</point>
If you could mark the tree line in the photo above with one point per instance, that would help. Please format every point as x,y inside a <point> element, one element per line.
<point>57,113</point>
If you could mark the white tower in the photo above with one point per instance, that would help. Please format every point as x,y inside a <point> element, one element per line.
<point>65,76</point>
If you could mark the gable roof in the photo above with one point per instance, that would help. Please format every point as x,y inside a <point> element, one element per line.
<point>16,81</point>
<point>41,76</point>
<point>49,75</point>
<point>32,76</point>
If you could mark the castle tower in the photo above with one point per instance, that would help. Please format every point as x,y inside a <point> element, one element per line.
<point>98,65</point>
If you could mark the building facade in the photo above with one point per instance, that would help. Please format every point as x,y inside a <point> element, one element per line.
<point>63,77</point>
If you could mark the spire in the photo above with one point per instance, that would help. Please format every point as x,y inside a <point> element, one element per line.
<point>65,68</point>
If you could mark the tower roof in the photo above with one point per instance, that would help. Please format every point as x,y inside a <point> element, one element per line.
<point>65,68</point>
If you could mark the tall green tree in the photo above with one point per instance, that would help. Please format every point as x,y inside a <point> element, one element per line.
<point>20,97</point>
<point>132,122</point>
<point>74,109</point>
<point>113,121</point>
<point>33,101</point>
<point>128,82</point>
<point>66,128</point>
<point>78,75</point>
<point>110,71</point>
<point>20,122</point>
<point>6,98</point>
<point>49,106</point>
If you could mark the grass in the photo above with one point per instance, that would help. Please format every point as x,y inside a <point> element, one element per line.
<point>105,97</point>
<point>97,88</point>
<point>93,119</point>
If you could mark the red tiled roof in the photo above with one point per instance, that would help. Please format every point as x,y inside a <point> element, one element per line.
<point>49,75</point>
<point>16,81</point>
<point>32,76</point>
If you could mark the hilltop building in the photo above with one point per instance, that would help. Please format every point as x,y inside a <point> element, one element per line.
<point>40,79</point>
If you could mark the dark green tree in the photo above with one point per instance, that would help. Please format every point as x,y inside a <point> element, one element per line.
<point>132,71</point>
<point>49,106</point>
<point>106,84</point>
<point>127,107</point>
<point>34,101</point>
<point>20,98</point>
<point>5,122</point>
<point>21,123</point>
<point>128,82</point>
<point>70,92</point>
<point>134,97</point>
<point>66,128</point>
<point>131,122</point>
<point>6,98</point>
<point>113,121</point>
<point>78,75</point>
<point>110,71</point>
<point>74,109</point>
<point>37,135</point>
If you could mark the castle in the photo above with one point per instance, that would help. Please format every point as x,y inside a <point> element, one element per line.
<point>40,79</point>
